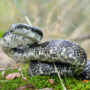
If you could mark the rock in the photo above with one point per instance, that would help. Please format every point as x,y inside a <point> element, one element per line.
<point>12,76</point>
<point>5,61</point>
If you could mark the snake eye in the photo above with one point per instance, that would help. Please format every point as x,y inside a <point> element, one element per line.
<point>11,30</point>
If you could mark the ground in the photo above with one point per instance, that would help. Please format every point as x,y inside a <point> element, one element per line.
<point>66,19</point>
<point>42,82</point>
<point>36,81</point>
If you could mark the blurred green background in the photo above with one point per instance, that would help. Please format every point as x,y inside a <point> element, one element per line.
<point>68,19</point>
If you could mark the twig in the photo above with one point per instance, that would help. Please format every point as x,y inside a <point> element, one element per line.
<point>3,72</point>
<point>22,12</point>
<point>64,88</point>
<point>20,69</point>
<point>59,77</point>
<point>28,20</point>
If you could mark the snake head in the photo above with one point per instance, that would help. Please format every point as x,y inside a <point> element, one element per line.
<point>20,29</point>
<point>27,31</point>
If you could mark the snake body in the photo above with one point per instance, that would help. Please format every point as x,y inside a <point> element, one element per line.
<point>21,42</point>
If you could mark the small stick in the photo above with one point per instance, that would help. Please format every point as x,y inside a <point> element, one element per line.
<point>3,72</point>
<point>59,77</point>
<point>22,12</point>
<point>20,69</point>
<point>8,69</point>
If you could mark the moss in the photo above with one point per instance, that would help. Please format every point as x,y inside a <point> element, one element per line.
<point>1,33</point>
<point>42,82</point>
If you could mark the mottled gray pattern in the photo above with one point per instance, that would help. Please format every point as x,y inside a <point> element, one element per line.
<point>21,43</point>
<point>43,68</point>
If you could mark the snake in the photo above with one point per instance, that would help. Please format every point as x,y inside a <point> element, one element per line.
<point>22,43</point>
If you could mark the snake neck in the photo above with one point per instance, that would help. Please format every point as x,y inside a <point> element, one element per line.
<point>19,48</point>
<point>10,42</point>
<point>51,51</point>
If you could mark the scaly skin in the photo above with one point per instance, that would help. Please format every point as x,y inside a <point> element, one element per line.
<point>21,43</point>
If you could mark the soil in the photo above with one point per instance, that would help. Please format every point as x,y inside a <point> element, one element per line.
<point>5,61</point>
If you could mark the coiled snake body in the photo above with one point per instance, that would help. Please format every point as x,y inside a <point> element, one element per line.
<point>21,42</point>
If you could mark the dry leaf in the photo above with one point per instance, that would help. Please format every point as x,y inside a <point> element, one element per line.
<point>51,81</point>
<point>29,86</point>
<point>86,80</point>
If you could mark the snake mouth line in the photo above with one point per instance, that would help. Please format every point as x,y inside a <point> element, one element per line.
<point>27,27</point>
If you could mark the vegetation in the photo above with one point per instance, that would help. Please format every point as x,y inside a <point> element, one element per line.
<point>57,18</point>
<point>1,33</point>
<point>66,19</point>
<point>42,82</point>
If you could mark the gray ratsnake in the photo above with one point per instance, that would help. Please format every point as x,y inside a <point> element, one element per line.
<point>22,43</point>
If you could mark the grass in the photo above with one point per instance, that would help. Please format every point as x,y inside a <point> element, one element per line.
<point>44,15</point>
<point>1,33</point>
<point>42,82</point>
